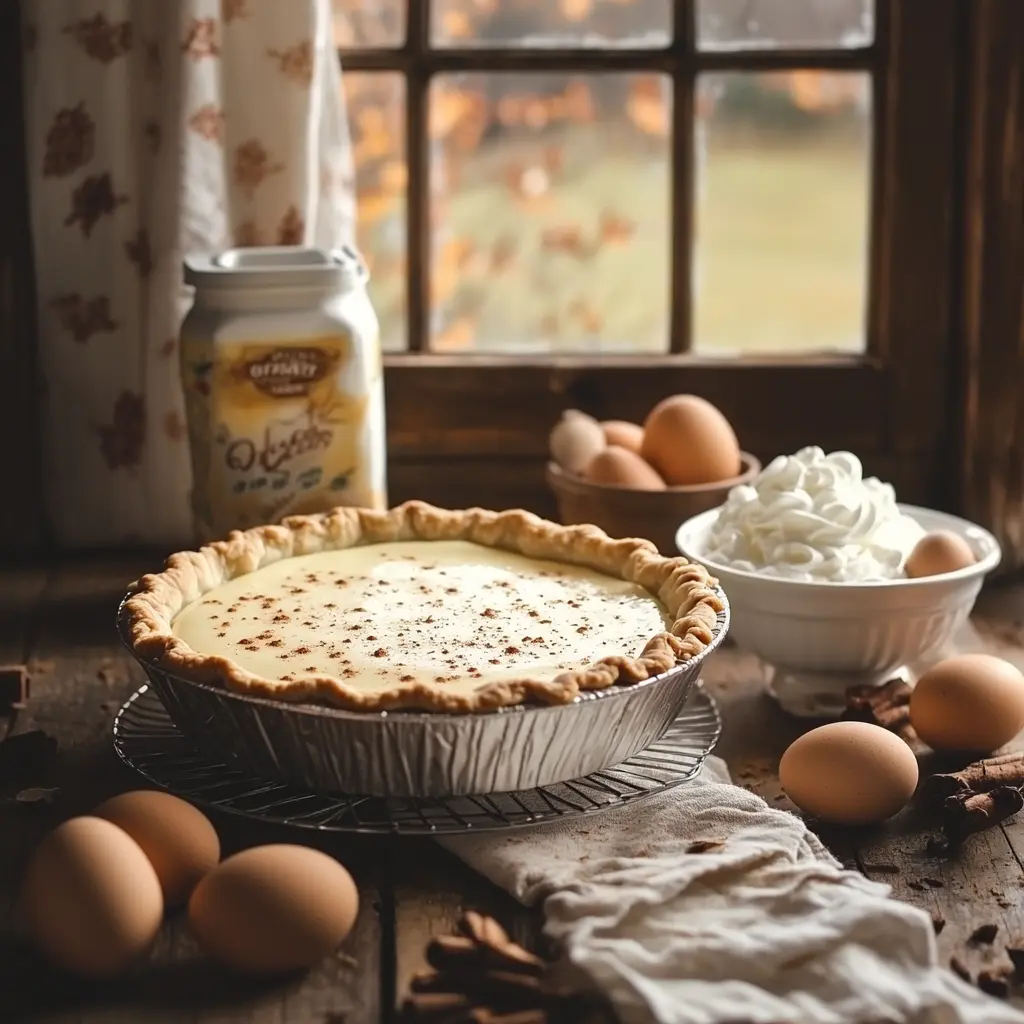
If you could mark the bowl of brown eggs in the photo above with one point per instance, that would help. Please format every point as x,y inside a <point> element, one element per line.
<point>643,480</point>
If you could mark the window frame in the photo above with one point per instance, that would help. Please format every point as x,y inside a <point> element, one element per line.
<point>473,428</point>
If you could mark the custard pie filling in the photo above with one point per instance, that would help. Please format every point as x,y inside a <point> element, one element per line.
<point>449,613</point>
<point>420,607</point>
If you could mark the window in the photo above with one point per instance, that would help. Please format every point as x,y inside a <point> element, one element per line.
<point>597,203</point>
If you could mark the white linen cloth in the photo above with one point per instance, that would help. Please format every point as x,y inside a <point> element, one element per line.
<point>768,927</point>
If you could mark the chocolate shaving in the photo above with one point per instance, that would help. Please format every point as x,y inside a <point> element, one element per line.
<point>926,884</point>
<point>938,923</point>
<point>887,706</point>
<point>984,933</point>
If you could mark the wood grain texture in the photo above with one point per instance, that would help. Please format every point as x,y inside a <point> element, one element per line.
<point>913,288</point>
<point>991,470</point>
<point>432,889</point>
<point>519,481</point>
<point>441,406</point>
<point>596,59</point>
<point>21,507</point>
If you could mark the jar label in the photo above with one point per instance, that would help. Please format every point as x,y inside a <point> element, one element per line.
<point>285,372</point>
<point>278,428</point>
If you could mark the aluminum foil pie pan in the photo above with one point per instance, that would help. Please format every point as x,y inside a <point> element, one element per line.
<point>421,754</point>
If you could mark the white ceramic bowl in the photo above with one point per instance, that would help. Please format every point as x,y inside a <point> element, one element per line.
<point>820,638</point>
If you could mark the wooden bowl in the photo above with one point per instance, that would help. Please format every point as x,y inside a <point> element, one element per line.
<point>625,512</point>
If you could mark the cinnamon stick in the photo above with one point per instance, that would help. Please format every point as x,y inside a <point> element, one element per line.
<point>967,813</point>
<point>978,777</point>
<point>480,976</point>
<point>887,705</point>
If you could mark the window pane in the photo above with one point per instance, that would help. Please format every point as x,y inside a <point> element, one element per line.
<point>550,212</point>
<point>369,23</point>
<point>766,24</point>
<point>552,23</point>
<point>376,112</point>
<point>782,212</point>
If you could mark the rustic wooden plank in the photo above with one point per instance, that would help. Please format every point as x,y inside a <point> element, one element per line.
<point>81,676</point>
<point>990,479</point>
<point>755,734</point>
<point>515,481</point>
<point>431,889</point>
<point>600,60</point>
<point>21,590</point>
<point>913,227</point>
<point>81,673</point>
<point>980,885</point>
<point>21,512</point>
<point>999,618</point>
<point>464,483</point>
<point>444,406</point>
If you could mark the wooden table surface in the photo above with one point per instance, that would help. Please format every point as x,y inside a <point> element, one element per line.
<point>60,622</point>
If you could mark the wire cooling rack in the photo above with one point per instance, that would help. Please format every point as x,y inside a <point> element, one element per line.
<point>147,740</point>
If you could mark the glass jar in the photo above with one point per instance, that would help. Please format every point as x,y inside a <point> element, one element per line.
<point>284,387</point>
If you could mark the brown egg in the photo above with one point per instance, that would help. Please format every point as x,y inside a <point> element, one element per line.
<point>688,441</point>
<point>91,900</point>
<point>938,552</point>
<point>179,841</point>
<point>973,703</point>
<point>273,909</point>
<point>624,434</point>
<point>575,440</point>
<point>850,773</point>
<point>621,468</point>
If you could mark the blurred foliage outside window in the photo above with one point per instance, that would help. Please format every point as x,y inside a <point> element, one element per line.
<point>550,193</point>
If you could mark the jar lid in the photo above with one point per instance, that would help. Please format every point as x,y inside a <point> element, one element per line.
<point>277,266</point>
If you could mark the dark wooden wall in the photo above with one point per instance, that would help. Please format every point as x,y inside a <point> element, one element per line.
<point>991,384</point>
<point>21,521</point>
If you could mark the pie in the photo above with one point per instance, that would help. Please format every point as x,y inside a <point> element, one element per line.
<point>421,607</point>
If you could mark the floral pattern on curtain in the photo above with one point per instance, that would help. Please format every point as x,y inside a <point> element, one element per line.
<point>157,129</point>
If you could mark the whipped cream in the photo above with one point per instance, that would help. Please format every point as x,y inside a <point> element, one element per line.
<point>813,517</point>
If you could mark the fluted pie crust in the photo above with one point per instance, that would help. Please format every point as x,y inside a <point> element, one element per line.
<point>684,593</point>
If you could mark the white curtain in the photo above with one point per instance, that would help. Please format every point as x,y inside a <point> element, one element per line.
<point>155,128</point>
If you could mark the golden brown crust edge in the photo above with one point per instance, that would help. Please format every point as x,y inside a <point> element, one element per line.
<point>685,589</point>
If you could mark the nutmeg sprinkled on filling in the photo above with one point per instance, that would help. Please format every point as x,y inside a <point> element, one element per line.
<point>449,614</point>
